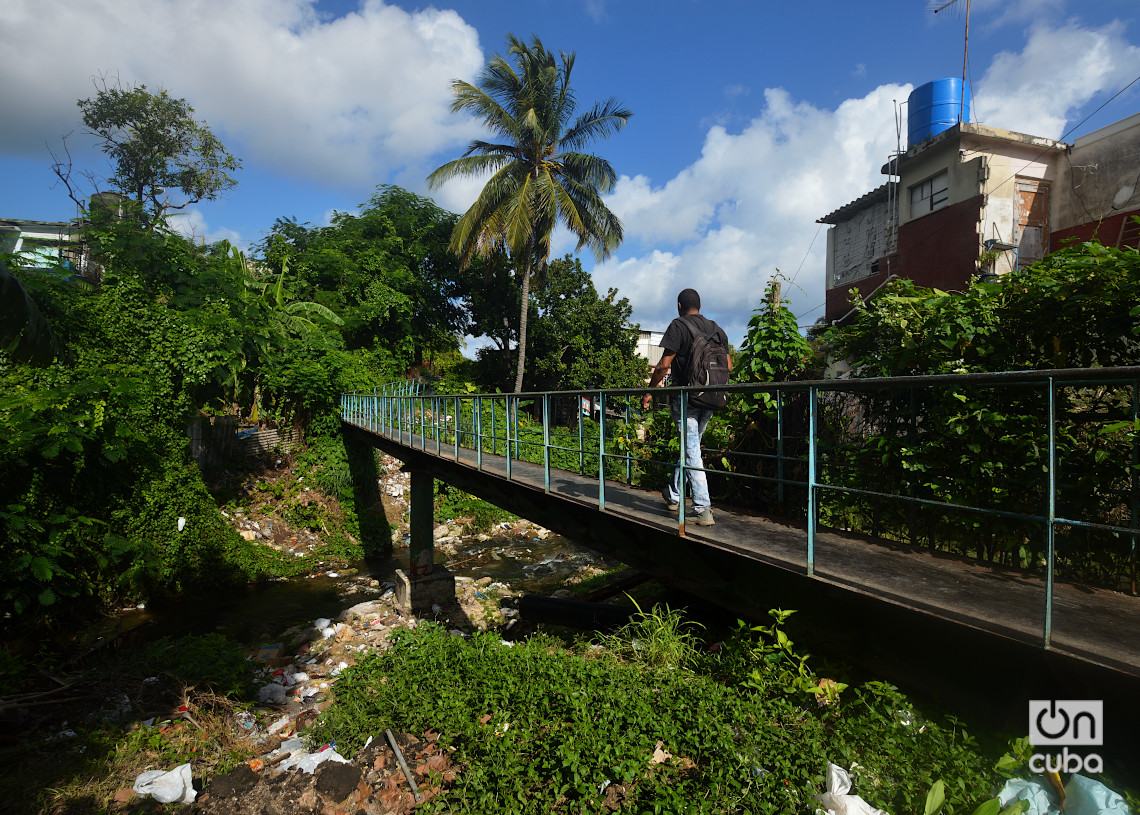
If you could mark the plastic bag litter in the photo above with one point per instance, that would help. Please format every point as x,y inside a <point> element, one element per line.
<point>173,787</point>
<point>309,761</point>
<point>272,694</point>
<point>1083,796</point>
<point>836,800</point>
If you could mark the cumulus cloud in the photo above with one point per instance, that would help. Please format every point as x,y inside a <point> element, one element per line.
<point>191,224</point>
<point>748,207</point>
<point>749,204</point>
<point>1025,92</point>
<point>347,100</point>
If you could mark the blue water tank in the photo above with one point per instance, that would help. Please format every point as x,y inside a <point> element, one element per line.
<point>934,107</point>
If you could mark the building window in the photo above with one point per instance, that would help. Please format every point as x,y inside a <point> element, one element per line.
<point>932,194</point>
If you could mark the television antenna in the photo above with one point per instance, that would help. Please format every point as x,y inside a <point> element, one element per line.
<point>965,47</point>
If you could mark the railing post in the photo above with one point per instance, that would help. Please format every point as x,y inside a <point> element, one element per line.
<point>581,440</point>
<point>780,447</point>
<point>628,447</point>
<point>813,452</point>
<point>682,433</point>
<point>1135,503</point>
<point>477,412</point>
<point>546,442</point>
<point>507,431</point>
<point>458,418</point>
<point>1050,542</point>
<point>601,450</point>
<point>494,440</point>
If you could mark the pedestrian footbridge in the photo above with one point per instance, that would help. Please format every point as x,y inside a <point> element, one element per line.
<point>936,526</point>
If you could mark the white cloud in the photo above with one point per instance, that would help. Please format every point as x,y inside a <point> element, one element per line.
<point>345,100</point>
<point>191,224</point>
<point>1025,92</point>
<point>748,207</point>
<point>749,204</point>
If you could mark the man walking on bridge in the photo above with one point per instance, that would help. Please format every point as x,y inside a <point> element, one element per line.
<point>677,344</point>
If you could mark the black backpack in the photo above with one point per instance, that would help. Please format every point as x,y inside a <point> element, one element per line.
<point>706,364</point>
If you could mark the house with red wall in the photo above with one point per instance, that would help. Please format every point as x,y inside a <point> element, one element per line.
<point>976,200</point>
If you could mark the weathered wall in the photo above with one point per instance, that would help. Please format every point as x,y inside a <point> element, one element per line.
<point>839,298</point>
<point>853,245</point>
<point>1115,230</point>
<point>1098,182</point>
<point>940,251</point>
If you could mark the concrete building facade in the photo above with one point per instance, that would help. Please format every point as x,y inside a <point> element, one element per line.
<point>976,200</point>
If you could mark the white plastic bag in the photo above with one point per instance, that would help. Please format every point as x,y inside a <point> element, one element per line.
<point>309,761</point>
<point>836,800</point>
<point>1083,796</point>
<point>173,787</point>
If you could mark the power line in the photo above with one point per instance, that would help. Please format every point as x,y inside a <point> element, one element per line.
<point>808,252</point>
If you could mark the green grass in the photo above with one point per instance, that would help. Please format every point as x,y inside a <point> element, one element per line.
<point>541,727</point>
<point>454,503</point>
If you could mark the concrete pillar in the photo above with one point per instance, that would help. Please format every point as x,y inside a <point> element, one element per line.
<point>424,584</point>
<point>375,531</point>
<point>422,525</point>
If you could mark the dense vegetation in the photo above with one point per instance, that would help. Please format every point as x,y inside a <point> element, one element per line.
<point>653,719</point>
<point>971,444</point>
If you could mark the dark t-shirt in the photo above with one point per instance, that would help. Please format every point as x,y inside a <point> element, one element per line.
<point>678,340</point>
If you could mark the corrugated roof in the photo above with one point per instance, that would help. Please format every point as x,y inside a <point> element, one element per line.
<point>37,227</point>
<point>845,212</point>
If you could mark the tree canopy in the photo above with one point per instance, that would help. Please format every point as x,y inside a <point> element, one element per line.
<point>538,177</point>
<point>161,157</point>
<point>580,339</point>
<point>387,271</point>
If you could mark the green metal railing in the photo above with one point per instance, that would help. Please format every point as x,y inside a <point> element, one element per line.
<point>1042,433</point>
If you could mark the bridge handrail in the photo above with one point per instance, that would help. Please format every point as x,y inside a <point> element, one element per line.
<point>459,421</point>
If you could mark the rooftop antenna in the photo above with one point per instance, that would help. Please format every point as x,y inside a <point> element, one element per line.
<point>965,48</point>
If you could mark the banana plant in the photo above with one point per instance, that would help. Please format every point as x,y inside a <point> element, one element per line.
<point>24,332</point>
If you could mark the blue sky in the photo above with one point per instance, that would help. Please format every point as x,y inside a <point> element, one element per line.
<point>751,119</point>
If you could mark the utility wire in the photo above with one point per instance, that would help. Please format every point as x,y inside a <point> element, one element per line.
<point>808,252</point>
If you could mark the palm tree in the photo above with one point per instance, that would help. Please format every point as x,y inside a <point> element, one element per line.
<point>538,179</point>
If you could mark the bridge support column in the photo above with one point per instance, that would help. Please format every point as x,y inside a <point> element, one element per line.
<point>424,584</point>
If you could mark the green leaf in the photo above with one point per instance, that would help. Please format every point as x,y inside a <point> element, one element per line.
<point>24,332</point>
<point>1007,763</point>
<point>935,798</point>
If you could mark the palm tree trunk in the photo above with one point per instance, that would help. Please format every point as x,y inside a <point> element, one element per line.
<point>522,319</point>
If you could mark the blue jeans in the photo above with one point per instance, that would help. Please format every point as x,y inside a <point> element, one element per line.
<point>695,421</point>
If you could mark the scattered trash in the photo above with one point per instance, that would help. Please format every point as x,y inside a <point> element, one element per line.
<point>837,800</point>
<point>181,524</point>
<point>1083,796</point>
<point>308,762</point>
<point>272,693</point>
<point>268,653</point>
<point>173,787</point>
